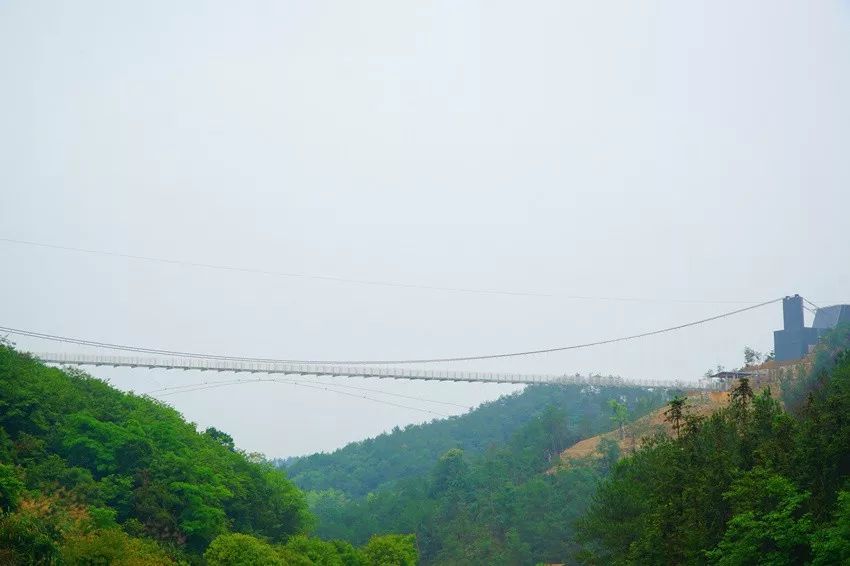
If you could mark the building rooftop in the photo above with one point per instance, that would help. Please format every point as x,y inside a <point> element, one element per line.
<point>732,374</point>
<point>830,317</point>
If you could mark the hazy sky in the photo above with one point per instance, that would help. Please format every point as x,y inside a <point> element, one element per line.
<point>659,150</point>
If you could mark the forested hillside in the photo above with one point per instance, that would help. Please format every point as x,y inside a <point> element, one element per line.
<point>91,475</point>
<point>362,467</point>
<point>474,489</point>
<point>751,484</point>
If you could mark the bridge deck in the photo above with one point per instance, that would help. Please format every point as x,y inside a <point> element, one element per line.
<point>204,364</point>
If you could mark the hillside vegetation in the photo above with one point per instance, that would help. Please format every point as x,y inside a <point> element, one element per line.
<point>91,475</point>
<point>750,484</point>
<point>635,433</point>
<point>727,478</point>
<point>363,467</point>
<point>474,489</point>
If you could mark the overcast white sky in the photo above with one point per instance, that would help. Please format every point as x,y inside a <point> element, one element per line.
<point>661,150</point>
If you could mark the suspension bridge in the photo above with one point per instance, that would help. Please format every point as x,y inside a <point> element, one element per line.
<point>338,370</point>
<point>157,359</point>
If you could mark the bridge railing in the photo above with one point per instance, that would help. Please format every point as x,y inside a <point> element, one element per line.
<point>286,368</point>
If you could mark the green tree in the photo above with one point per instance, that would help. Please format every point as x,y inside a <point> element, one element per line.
<point>391,550</point>
<point>832,545</point>
<point>751,357</point>
<point>221,437</point>
<point>619,415</point>
<point>237,549</point>
<point>26,538</point>
<point>11,488</point>
<point>610,451</point>
<point>675,413</point>
<point>517,551</point>
<point>320,553</point>
<point>741,400</point>
<point>768,525</point>
<point>111,546</point>
<point>450,473</point>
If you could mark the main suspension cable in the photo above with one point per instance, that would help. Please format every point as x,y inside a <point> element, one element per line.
<point>140,349</point>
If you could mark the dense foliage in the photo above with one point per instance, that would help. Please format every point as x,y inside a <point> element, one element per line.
<point>477,504</point>
<point>363,467</point>
<point>91,475</point>
<point>751,484</point>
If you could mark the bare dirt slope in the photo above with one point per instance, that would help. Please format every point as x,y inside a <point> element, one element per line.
<point>702,403</point>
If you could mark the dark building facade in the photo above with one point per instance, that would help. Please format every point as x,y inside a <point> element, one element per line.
<point>830,317</point>
<point>795,339</point>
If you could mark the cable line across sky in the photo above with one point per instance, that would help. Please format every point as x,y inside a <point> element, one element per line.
<point>189,387</point>
<point>522,353</point>
<point>367,282</point>
<point>319,385</point>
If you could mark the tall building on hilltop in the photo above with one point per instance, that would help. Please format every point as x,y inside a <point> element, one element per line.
<point>796,339</point>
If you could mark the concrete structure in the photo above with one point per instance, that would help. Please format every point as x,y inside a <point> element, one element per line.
<point>795,340</point>
<point>827,318</point>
